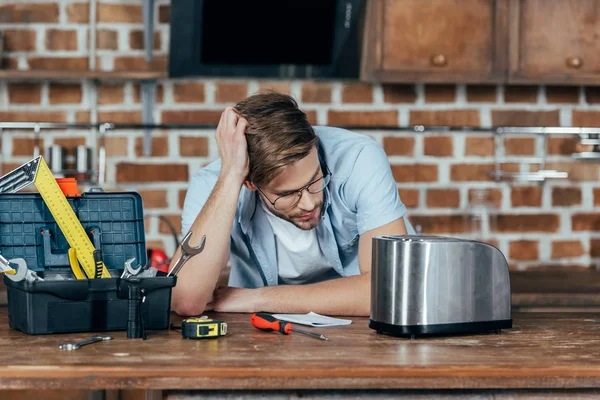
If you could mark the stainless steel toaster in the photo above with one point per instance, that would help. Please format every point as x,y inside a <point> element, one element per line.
<point>424,285</point>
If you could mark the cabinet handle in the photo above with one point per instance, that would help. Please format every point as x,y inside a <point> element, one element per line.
<point>439,60</point>
<point>574,62</point>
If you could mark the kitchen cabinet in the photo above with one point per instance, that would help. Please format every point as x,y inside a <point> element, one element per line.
<point>435,41</point>
<point>554,41</point>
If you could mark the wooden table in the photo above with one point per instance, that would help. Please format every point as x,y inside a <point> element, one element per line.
<point>542,351</point>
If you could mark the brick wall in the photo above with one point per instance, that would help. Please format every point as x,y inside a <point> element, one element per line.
<point>554,223</point>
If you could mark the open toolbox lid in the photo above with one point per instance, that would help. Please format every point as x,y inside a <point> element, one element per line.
<point>114,221</point>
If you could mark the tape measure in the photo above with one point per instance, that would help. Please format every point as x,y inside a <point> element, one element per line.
<point>62,212</point>
<point>203,328</point>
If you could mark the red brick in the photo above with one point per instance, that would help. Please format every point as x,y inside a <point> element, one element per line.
<point>479,146</point>
<point>136,40</point>
<point>111,93</point>
<point>597,196</point>
<point>231,92</point>
<point>362,118</point>
<point>562,94</point>
<point>190,146</point>
<point>524,118</point>
<point>471,172</point>
<point>25,146</point>
<point>311,116</point>
<point>440,93</point>
<point>445,117</point>
<point>585,222</point>
<point>439,224</point>
<point>24,93</point>
<point>9,63</point>
<point>191,117</point>
<point>577,171</point>
<point>164,14</point>
<point>415,172</point>
<point>115,146</point>
<point>107,39</point>
<point>159,148</point>
<point>567,248</point>
<point>65,93</point>
<point>399,146</point>
<point>139,63</point>
<point>28,13</point>
<point>316,92</point>
<point>159,94</point>
<point>481,93</point>
<point>399,93</point>
<point>7,167</point>
<point>120,117</point>
<point>520,94</point>
<point>519,146</point>
<point>78,12</point>
<point>189,92</point>
<point>595,247</point>
<point>70,142</point>
<point>154,198</point>
<point>443,198</point>
<point>566,196</point>
<point>19,40</point>
<point>562,145</point>
<point>493,196</point>
<point>131,172</point>
<point>592,94</point>
<point>523,223</point>
<point>357,93</point>
<point>410,197</point>
<point>82,117</point>
<point>58,63</point>
<point>275,86</point>
<point>127,13</point>
<point>524,250</point>
<point>58,39</point>
<point>438,146</point>
<point>526,196</point>
<point>181,198</point>
<point>32,116</point>
<point>586,118</point>
<point>174,220</point>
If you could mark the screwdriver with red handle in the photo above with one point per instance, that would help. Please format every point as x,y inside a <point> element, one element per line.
<point>267,322</point>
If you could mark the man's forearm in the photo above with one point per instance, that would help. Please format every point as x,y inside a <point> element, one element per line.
<point>198,278</point>
<point>343,296</point>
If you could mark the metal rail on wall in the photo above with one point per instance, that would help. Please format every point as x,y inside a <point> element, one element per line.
<point>587,136</point>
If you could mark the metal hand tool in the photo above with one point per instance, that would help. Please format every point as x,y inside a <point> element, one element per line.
<point>23,272</point>
<point>129,271</point>
<point>187,252</point>
<point>75,346</point>
<point>267,322</point>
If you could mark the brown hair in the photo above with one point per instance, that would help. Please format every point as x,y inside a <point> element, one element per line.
<point>278,134</point>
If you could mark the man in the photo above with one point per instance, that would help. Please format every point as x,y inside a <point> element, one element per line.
<point>294,207</point>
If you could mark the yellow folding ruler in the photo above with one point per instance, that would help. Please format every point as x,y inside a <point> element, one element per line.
<point>37,172</point>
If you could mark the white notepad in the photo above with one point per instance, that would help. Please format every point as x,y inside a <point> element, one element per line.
<point>313,319</point>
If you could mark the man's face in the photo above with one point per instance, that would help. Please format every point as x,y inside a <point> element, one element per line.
<point>307,213</point>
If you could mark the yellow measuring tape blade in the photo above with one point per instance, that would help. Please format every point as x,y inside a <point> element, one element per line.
<point>66,219</point>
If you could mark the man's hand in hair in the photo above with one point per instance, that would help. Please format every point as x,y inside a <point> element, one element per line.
<point>233,148</point>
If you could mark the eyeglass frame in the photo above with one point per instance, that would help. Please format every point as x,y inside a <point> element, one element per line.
<point>300,191</point>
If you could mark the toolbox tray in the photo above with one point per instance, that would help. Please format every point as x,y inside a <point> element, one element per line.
<point>114,222</point>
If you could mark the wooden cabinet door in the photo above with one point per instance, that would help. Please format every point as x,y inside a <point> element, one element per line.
<point>554,41</point>
<point>435,41</point>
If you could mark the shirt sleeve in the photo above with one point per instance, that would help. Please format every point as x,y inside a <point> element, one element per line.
<point>371,190</point>
<point>198,192</point>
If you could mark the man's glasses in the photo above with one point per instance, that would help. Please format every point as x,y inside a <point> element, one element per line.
<point>290,200</point>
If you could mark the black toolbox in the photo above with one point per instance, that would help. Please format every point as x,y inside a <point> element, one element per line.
<point>114,222</point>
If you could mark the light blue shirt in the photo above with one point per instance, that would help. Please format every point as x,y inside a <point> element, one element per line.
<point>362,195</point>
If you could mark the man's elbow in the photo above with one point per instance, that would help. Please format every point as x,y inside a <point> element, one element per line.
<point>187,308</point>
